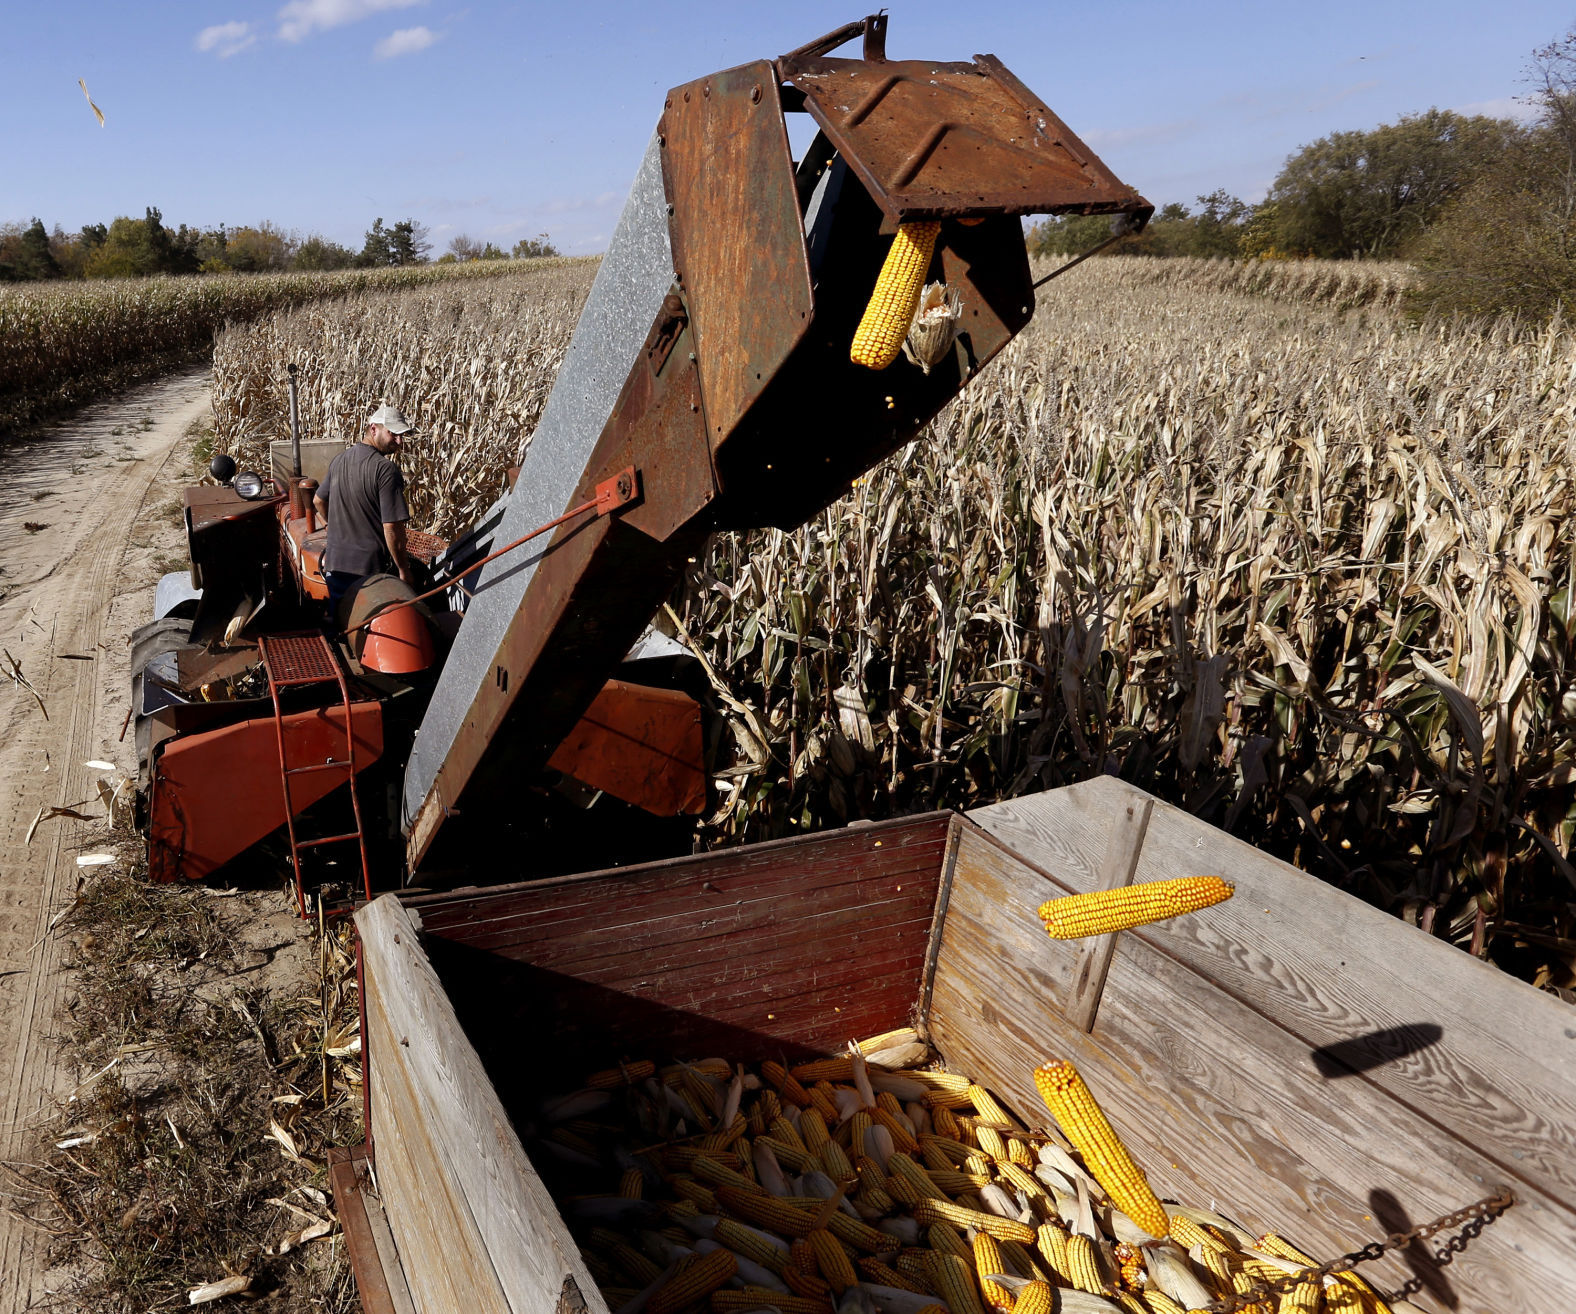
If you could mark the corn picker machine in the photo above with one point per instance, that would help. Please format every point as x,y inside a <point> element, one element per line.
<point>735,365</point>
<point>761,331</point>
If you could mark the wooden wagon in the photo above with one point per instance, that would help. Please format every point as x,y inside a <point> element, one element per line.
<point>1294,1056</point>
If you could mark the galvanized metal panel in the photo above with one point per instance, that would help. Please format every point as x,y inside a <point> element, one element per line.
<point>635,275</point>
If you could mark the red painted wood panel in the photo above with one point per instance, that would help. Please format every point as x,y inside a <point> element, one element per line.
<point>786,949</point>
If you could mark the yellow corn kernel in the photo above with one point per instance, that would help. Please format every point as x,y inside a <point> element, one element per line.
<point>1051,1242</point>
<point>638,1266</point>
<point>832,1069</point>
<point>991,1142</point>
<point>988,1110</point>
<point>780,1129</point>
<point>687,1188</point>
<point>750,1245</point>
<point>857,1234</point>
<point>715,1174</point>
<point>695,1281</point>
<point>953,1278</point>
<point>890,312</point>
<point>1024,1260</point>
<point>1157,1302</point>
<point>988,1260</point>
<point>787,1084</point>
<point>625,1074</point>
<point>754,1298</point>
<point>632,1185</point>
<point>764,1211</point>
<point>915,1265</point>
<point>944,1121</point>
<point>875,1271</point>
<point>1019,1153</point>
<point>832,1260</point>
<point>945,1239</point>
<point>1106,1158</point>
<point>1083,1266</point>
<point>836,1162</point>
<point>824,1101</point>
<point>1100,912</point>
<point>1003,1229</point>
<point>902,1138</point>
<point>1301,1299</point>
<point>904,1169</point>
<point>794,1156</point>
<point>1036,1298</point>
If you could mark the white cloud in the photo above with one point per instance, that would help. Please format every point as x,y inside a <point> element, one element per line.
<point>406,41</point>
<point>226,39</point>
<point>1520,108</point>
<point>300,18</point>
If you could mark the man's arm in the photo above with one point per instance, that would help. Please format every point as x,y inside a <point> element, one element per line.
<point>394,536</point>
<point>322,509</point>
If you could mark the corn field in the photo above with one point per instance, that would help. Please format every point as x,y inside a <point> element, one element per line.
<point>471,365</point>
<point>1303,570</point>
<point>62,344</point>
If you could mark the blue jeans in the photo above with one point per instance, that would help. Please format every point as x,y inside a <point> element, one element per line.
<point>339,582</point>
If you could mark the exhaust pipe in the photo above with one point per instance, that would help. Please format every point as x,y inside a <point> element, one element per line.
<point>295,424</point>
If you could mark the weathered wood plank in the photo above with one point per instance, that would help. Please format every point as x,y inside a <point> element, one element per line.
<point>1116,871</point>
<point>460,1192</point>
<point>1482,1055</point>
<point>1221,1104</point>
<point>436,1234</point>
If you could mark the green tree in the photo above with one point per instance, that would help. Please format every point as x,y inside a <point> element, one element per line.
<point>376,249</point>
<point>317,252</point>
<point>1509,244</point>
<point>25,253</point>
<point>1371,194</point>
<point>534,248</point>
<point>408,244</point>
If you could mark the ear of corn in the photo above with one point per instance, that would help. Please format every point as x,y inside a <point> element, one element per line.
<point>1083,1265</point>
<point>754,1298</point>
<point>875,1271</point>
<point>696,1280</point>
<point>1036,1298</point>
<point>890,311</point>
<point>1003,1229</point>
<point>988,1259</point>
<point>832,1260</point>
<point>953,1277</point>
<point>1075,1110</point>
<point>1099,912</point>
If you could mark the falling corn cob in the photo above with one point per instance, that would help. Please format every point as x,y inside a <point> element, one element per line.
<point>694,1281</point>
<point>1100,912</point>
<point>1074,1108</point>
<point>887,317</point>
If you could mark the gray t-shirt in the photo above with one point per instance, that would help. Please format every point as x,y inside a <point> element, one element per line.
<point>364,491</point>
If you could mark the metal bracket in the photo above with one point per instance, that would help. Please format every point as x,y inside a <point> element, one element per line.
<point>1094,955</point>
<point>620,491</point>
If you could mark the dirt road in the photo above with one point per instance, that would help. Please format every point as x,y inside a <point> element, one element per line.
<point>81,514</point>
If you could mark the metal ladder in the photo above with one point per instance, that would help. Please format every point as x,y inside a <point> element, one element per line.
<point>294,661</point>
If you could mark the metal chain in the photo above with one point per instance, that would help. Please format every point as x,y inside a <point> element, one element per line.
<point>1471,1219</point>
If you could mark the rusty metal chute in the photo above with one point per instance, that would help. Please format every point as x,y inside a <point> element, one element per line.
<point>712,356</point>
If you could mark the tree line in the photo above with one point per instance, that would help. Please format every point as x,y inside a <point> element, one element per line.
<point>134,248</point>
<point>1484,208</point>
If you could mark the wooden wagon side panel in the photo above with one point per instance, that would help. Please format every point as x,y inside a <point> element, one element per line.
<point>1220,1101</point>
<point>786,949</point>
<point>476,1229</point>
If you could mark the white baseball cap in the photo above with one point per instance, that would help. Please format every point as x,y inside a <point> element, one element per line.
<point>390,419</point>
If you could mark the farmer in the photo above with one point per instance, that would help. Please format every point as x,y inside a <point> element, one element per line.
<point>363,499</point>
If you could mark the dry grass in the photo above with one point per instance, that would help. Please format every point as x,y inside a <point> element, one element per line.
<point>1303,569</point>
<point>471,364</point>
<point>193,1145</point>
<point>1306,574</point>
<point>62,344</point>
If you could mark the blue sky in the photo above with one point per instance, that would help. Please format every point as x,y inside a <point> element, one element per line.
<point>508,120</point>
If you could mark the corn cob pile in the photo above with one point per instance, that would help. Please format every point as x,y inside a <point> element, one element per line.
<point>851,1186</point>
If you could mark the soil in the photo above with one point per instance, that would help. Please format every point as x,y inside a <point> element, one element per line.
<point>89,520</point>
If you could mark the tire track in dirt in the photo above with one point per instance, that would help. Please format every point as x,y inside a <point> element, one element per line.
<point>75,578</point>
